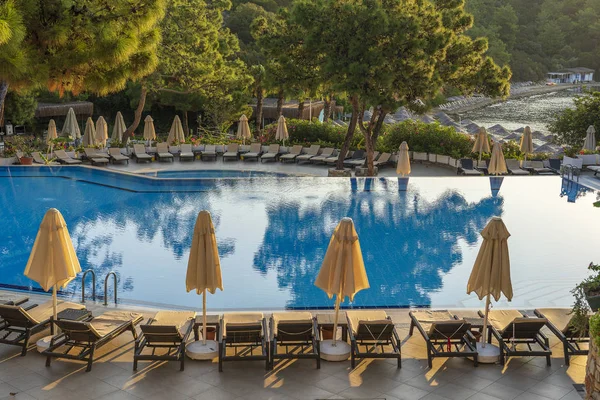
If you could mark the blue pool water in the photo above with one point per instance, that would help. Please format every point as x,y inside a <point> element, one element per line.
<point>220,173</point>
<point>419,246</point>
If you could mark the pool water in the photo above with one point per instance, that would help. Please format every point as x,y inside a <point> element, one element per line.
<point>220,173</point>
<point>419,245</point>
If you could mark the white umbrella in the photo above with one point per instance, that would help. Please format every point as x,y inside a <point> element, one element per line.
<point>119,128</point>
<point>282,131</point>
<point>52,134</point>
<point>101,131</point>
<point>526,145</point>
<point>590,139</point>
<point>482,145</point>
<point>403,167</point>
<point>149,133</point>
<point>243,131</point>
<point>89,136</point>
<point>176,132</point>
<point>71,128</point>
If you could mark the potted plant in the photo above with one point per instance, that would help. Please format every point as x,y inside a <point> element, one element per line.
<point>587,296</point>
<point>25,146</point>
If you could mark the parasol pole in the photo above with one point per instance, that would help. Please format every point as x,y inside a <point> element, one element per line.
<point>485,321</point>
<point>335,320</point>
<point>204,317</point>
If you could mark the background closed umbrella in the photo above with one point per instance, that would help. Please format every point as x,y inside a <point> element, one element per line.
<point>590,139</point>
<point>403,167</point>
<point>343,270</point>
<point>243,131</point>
<point>119,128</point>
<point>52,134</point>
<point>71,128</point>
<point>149,133</point>
<point>497,163</point>
<point>89,136</point>
<point>282,131</point>
<point>482,145</point>
<point>526,145</point>
<point>52,262</point>
<point>204,266</point>
<point>491,272</point>
<point>176,132</point>
<point>101,131</point>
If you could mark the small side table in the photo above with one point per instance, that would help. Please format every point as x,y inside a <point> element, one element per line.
<point>477,328</point>
<point>73,314</point>
<point>212,321</point>
<point>327,321</point>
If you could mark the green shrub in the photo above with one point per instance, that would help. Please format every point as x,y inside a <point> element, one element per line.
<point>306,133</point>
<point>595,328</point>
<point>427,138</point>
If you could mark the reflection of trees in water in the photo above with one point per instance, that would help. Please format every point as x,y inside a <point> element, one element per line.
<point>408,243</point>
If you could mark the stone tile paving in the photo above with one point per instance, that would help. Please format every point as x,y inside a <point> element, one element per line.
<point>112,377</point>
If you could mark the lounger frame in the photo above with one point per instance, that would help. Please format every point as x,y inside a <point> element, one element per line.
<point>244,339</point>
<point>373,337</point>
<point>77,334</point>
<point>570,342</point>
<point>161,337</point>
<point>463,342</point>
<point>302,338</point>
<point>527,333</point>
<point>16,329</point>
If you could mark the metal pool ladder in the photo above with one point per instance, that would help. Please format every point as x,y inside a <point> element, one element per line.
<point>114,274</point>
<point>89,271</point>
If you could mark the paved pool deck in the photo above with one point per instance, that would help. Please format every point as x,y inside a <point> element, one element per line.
<point>112,376</point>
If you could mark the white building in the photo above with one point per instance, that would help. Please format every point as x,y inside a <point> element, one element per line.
<point>571,75</point>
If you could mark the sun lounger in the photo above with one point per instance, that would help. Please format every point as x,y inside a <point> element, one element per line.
<point>162,152</point>
<point>325,154</point>
<point>554,164</point>
<point>357,159</point>
<point>89,336</point>
<point>482,166</point>
<point>37,158</point>
<point>291,156</point>
<point>186,153</point>
<point>233,151</point>
<point>254,153</point>
<point>446,336</point>
<point>168,330</point>
<point>559,323</point>
<point>94,157</point>
<point>537,167</point>
<point>271,154</point>
<point>514,168</point>
<point>139,150</point>
<point>383,160</point>
<point>467,168</point>
<point>245,331</point>
<point>512,329</point>
<point>298,333</point>
<point>210,151</point>
<point>333,159</point>
<point>18,324</point>
<point>12,299</point>
<point>310,153</point>
<point>64,158</point>
<point>115,155</point>
<point>372,330</point>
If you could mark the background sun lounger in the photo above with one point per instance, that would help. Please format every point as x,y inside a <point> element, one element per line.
<point>254,153</point>
<point>298,333</point>
<point>372,330</point>
<point>312,151</point>
<point>186,152</point>
<point>139,150</point>
<point>482,166</point>
<point>514,168</point>
<point>162,152</point>
<point>18,324</point>
<point>90,335</point>
<point>357,159</point>
<point>115,155</point>
<point>442,331</point>
<point>271,154</point>
<point>559,323</point>
<point>233,152</point>
<point>291,156</point>
<point>537,167</point>
<point>95,158</point>
<point>64,158</point>
<point>168,330</point>
<point>37,158</point>
<point>511,329</point>
<point>467,168</point>
<point>209,152</point>
<point>325,154</point>
<point>383,160</point>
<point>246,331</point>
<point>13,299</point>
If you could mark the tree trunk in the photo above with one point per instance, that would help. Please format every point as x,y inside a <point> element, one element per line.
<point>349,134</point>
<point>378,126</point>
<point>186,127</point>
<point>3,92</point>
<point>301,109</point>
<point>280,99</point>
<point>327,108</point>
<point>259,110</point>
<point>137,116</point>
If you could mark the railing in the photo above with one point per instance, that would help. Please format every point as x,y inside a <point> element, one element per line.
<point>89,271</point>
<point>114,274</point>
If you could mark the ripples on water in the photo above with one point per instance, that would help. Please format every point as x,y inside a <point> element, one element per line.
<point>534,111</point>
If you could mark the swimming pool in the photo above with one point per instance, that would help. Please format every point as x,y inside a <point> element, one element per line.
<point>419,246</point>
<point>213,174</point>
